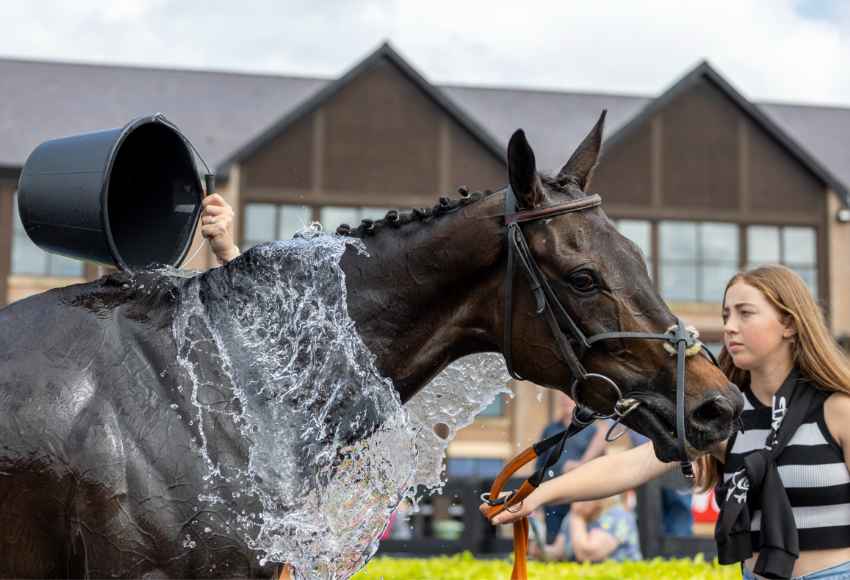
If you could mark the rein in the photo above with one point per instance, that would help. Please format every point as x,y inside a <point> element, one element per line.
<point>572,344</point>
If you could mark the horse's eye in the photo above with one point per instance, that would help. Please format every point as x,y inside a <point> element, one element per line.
<point>583,281</point>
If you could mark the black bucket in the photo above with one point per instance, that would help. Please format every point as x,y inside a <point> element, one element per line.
<point>129,197</point>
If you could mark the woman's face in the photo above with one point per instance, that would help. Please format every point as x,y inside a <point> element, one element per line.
<point>753,330</point>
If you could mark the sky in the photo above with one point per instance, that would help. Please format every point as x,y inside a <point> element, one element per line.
<point>770,50</point>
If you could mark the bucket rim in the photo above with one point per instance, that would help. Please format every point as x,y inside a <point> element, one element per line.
<point>126,131</point>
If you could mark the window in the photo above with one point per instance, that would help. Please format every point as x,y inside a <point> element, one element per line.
<point>794,246</point>
<point>265,222</point>
<point>640,232</point>
<point>763,245</point>
<point>696,259</point>
<point>29,259</point>
<point>332,216</point>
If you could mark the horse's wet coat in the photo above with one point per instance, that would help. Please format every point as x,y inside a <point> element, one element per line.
<point>97,470</point>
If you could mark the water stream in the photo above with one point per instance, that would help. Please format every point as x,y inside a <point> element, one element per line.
<point>331,452</point>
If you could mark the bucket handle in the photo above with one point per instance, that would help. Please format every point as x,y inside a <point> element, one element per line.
<point>209,176</point>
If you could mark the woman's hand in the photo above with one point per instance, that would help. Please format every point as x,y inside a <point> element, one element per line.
<point>608,475</point>
<point>217,227</point>
<point>512,514</point>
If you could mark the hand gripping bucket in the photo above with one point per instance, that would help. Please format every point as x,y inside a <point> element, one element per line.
<point>129,197</point>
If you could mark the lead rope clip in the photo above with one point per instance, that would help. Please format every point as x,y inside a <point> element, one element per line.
<point>622,408</point>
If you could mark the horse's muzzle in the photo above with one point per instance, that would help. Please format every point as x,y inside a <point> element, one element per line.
<point>713,418</point>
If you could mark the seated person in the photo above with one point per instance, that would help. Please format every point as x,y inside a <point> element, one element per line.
<point>594,531</point>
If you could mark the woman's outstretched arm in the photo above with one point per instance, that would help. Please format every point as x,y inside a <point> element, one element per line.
<point>603,477</point>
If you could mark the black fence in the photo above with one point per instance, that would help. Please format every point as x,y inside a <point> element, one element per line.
<point>653,542</point>
<point>451,523</point>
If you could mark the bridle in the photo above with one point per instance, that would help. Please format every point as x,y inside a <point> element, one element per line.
<point>573,344</point>
<point>564,328</point>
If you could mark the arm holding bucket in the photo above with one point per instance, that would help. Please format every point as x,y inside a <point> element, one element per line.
<point>217,227</point>
<point>603,477</point>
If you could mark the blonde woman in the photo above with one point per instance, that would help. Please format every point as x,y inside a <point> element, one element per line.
<point>784,478</point>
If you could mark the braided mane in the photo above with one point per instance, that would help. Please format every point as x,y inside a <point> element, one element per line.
<point>395,219</point>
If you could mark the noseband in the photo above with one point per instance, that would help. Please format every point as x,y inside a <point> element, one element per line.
<point>572,342</point>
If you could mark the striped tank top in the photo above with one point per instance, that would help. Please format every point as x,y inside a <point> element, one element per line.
<point>812,470</point>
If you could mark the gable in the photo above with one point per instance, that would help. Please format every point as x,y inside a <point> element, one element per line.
<point>775,180</point>
<point>696,147</point>
<point>378,135</point>
<point>700,149</point>
<point>382,135</point>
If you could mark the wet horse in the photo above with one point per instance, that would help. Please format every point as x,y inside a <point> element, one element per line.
<point>96,481</point>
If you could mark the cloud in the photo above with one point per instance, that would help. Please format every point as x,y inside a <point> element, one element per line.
<point>787,50</point>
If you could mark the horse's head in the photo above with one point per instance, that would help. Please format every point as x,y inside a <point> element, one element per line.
<point>601,280</point>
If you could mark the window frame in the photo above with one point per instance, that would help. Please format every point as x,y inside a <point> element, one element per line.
<point>743,249</point>
<point>701,261</point>
<point>314,208</point>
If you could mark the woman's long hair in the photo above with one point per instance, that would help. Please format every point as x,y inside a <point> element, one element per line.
<point>815,352</point>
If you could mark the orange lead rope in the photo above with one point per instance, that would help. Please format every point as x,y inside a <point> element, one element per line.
<point>552,447</point>
<point>520,571</point>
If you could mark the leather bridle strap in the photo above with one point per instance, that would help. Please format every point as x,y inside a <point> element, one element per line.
<point>518,250</point>
<point>530,215</point>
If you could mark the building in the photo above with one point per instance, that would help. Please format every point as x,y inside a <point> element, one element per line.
<point>703,179</point>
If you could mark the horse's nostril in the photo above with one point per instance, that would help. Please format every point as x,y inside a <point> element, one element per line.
<point>717,409</point>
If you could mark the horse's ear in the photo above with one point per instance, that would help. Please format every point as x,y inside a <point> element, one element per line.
<point>522,171</point>
<point>579,169</point>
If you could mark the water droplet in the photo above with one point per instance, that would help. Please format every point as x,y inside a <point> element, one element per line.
<point>174,406</point>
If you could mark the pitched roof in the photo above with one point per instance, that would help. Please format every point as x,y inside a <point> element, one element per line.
<point>218,111</point>
<point>704,71</point>
<point>823,131</point>
<point>384,52</point>
<point>554,122</point>
<point>224,113</point>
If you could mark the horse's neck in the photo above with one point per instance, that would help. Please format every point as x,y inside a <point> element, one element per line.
<point>428,292</point>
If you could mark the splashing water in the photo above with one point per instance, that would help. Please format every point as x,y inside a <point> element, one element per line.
<point>330,451</point>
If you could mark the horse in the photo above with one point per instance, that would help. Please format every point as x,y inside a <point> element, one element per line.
<point>97,478</point>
